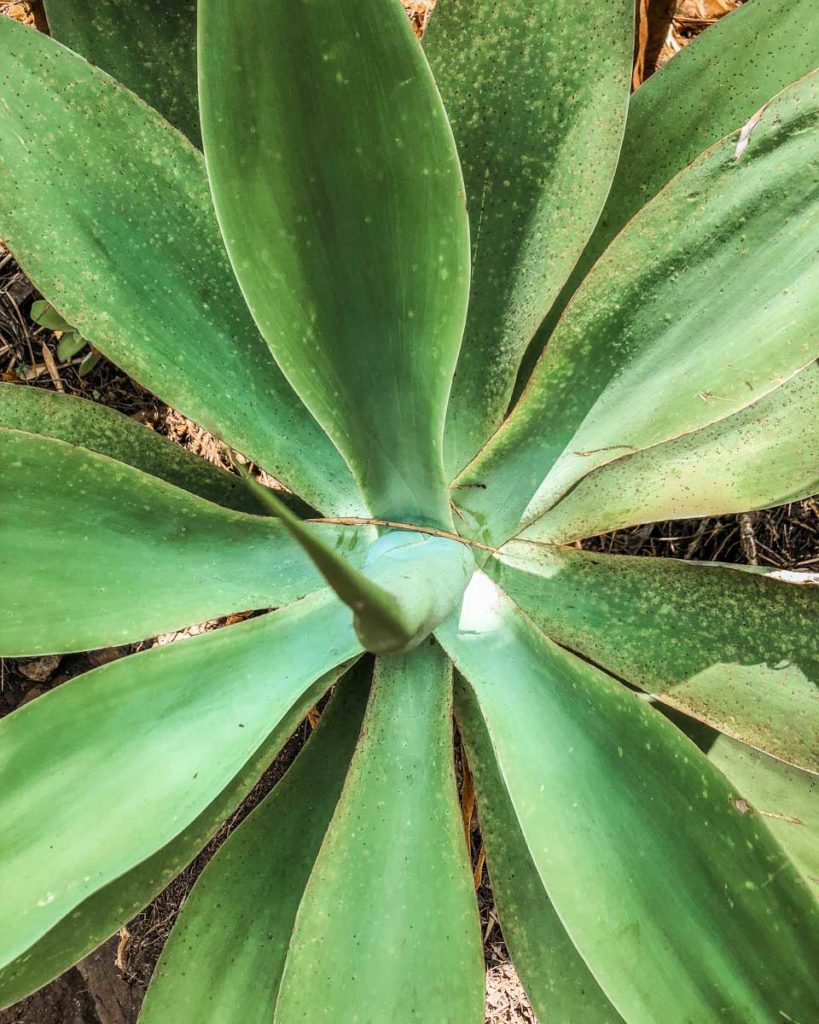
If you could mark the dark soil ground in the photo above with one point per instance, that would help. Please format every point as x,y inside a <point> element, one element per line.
<point>107,987</point>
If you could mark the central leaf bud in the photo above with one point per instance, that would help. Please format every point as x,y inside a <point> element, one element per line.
<point>426,575</point>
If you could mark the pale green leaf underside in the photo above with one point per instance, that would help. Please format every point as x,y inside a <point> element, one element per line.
<point>559,984</point>
<point>108,211</point>
<point>537,97</point>
<point>718,81</point>
<point>706,302</point>
<point>349,234</point>
<point>190,714</point>
<point>738,650</point>
<point>148,45</point>
<point>766,454</point>
<point>614,803</point>
<point>111,555</point>
<point>224,958</point>
<point>388,926</point>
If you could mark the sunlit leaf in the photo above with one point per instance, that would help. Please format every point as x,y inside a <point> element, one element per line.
<point>766,454</point>
<point>115,555</point>
<point>388,924</point>
<point>537,97</point>
<point>191,715</point>
<point>736,649</point>
<point>239,916</point>
<point>786,797</point>
<point>648,854</point>
<point>108,211</point>
<point>557,981</point>
<point>717,82</point>
<point>349,234</point>
<point>705,303</point>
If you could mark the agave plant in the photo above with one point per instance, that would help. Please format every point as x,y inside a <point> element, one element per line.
<point>472,304</point>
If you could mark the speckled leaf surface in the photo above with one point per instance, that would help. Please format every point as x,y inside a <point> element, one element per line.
<point>108,908</point>
<point>785,797</point>
<point>388,924</point>
<point>558,983</point>
<point>705,303</point>
<point>148,45</point>
<point>718,81</point>
<point>111,555</point>
<point>736,649</point>
<point>537,97</point>
<point>190,714</point>
<point>409,582</point>
<point>766,454</point>
<point>612,801</point>
<point>225,956</point>
<point>106,431</point>
<point>349,234</point>
<point>108,211</point>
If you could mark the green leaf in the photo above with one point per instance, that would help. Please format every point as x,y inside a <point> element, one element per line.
<point>715,84</point>
<point>766,454</point>
<point>120,235</point>
<point>348,235</point>
<point>148,45</point>
<point>106,910</point>
<point>44,314</point>
<point>89,363</point>
<point>639,841</point>
<point>410,581</point>
<point>94,552</point>
<point>537,96</point>
<point>100,429</point>
<point>388,924</point>
<point>69,345</point>
<point>191,715</point>
<point>239,916</point>
<point>736,649</point>
<point>559,984</point>
<point>785,797</point>
<point>706,302</point>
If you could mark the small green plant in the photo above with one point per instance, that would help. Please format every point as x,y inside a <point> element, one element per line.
<point>472,304</point>
<point>70,343</point>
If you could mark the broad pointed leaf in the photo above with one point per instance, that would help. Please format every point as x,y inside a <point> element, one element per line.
<point>537,96</point>
<point>106,910</point>
<point>718,81</point>
<point>120,236</point>
<point>766,454</point>
<point>639,841</point>
<point>94,552</point>
<point>239,916</point>
<point>559,984</point>
<point>706,302</point>
<point>410,581</point>
<point>348,235</point>
<point>148,45</point>
<point>787,798</point>
<point>191,714</point>
<point>388,924</point>
<point>102,429</point>
<point>736,649</point>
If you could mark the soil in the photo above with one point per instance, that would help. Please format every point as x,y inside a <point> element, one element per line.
<point>107,987</point>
